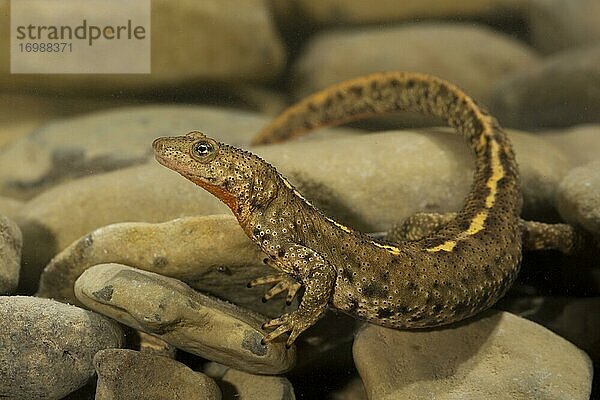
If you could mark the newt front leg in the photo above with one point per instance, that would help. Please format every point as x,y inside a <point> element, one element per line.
<point>318,277</point>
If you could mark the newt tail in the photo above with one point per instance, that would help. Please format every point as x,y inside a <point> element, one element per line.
<point>453,273</point>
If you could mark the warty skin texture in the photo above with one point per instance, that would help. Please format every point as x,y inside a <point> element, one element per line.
<point>449,275</point>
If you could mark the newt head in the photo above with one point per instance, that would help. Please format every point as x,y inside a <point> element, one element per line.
<point>234,176</point>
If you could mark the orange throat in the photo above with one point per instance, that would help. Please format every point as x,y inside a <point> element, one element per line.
<point>220,194</point>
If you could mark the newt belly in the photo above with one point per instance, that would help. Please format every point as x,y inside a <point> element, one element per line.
<point>457,270</point>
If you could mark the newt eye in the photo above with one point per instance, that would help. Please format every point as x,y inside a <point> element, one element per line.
<point>203,150</point>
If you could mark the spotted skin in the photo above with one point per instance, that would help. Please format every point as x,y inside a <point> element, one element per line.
<point>460,269</point>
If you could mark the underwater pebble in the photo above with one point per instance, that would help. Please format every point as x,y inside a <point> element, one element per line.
<point>391,164</point>
<point>224,40</point>
<point>193,322</point>
<point>214,369</point>
<point>46,347</point>
<point>575,319</point>
<point>542,165</point>
<point>128,374</point>
<point>10,131</point>
<point>560,91</point>
<point>23,112</point>
<point>497,355</point>
<point>244,386</point>
<point>58,151</point>
<point>10,207</point>
<point>578,197</point>
<point>360,11</point>
<point>10,255</point>
<point>479,56</point>
<point>580,143</point>
<point>559,24</point>
<point>210,253</point>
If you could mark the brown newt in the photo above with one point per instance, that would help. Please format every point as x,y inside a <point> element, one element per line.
<point>453,267</point>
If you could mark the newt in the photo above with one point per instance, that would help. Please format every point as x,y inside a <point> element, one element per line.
<point>441,268</point>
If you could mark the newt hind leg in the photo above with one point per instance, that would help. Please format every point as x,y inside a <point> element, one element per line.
<point>562,237</point>
<point>536,235</point>
<point>418,226</point>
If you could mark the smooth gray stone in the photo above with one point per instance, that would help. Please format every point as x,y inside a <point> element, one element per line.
<point>580,143</point>
<point>108,140</point>
<point>241,385</point>
<point>555,25</point>
<point>11,242</point>
<point>131,375</point>
<point>331,56</point>
<point>495,355</point>
<point>46,347</point>
<point>560,91</point>
<point>578,197</point>
<point>573,318</point>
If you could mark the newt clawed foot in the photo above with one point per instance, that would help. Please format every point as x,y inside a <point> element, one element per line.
<point>295,322</point>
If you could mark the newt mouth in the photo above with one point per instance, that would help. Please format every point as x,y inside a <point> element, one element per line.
<point>163,161</point>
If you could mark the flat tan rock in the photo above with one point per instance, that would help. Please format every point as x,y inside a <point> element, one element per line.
<point>494,356</point>
<point>128,375</point>
<point>210,253</point>
<point>471,56</point>
<point>171,310</point>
